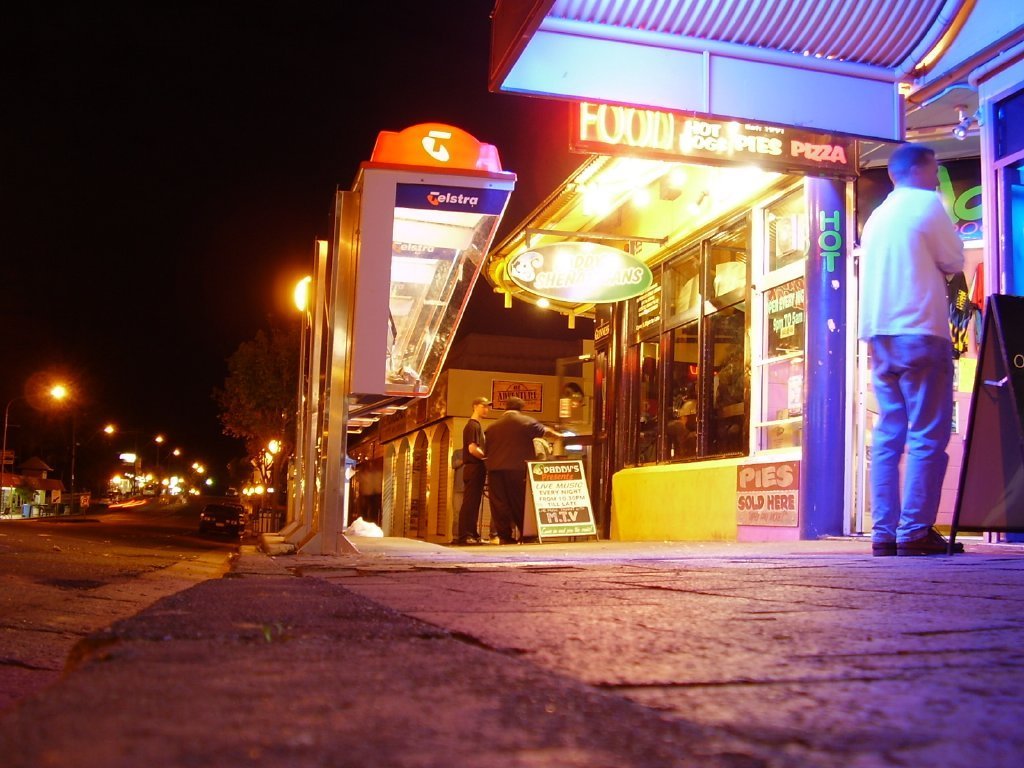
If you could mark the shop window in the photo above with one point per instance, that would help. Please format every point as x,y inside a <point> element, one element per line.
<point>647,429</point>
<point>682,287</point>
<point>728,267</point>
<point>1013,227</point>
<point>706,370</point>
<point>1009,118</point>
<point>780,360</point>
<point>783,366</point>
<point>727,417</point>
<point>683,380</point>
<point>786,227</point>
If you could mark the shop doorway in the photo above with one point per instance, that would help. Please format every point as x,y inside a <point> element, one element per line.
<point>966,298</point>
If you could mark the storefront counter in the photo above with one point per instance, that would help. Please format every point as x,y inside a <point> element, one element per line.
<point>676,502</point>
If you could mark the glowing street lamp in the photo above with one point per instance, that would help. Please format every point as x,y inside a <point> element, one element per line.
<point>57,392</point>
<point>301,294</point>
<point>159,440</point>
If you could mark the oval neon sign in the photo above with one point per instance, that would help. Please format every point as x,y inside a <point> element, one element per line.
<point>581,273</point>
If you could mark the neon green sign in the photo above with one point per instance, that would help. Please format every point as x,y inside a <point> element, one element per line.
<point>580,273</point>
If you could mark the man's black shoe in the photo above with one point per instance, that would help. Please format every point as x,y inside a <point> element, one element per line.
<point>932,543</point>
<point>466,541</point>
<point>883,548</point>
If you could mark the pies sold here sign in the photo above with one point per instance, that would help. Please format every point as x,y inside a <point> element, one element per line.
<point>768,494</point>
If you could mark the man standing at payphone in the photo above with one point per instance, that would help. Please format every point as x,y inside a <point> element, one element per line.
<point>910,249</point>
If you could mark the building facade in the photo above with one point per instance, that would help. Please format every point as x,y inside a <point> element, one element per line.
<point>733,390</point>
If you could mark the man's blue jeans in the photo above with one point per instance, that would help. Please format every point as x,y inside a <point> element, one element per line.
<point>913,381</point>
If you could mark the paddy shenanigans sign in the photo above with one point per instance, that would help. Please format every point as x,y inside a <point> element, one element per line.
<point>582,273</point>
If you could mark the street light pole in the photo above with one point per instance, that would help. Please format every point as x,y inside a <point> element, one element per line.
<point>74,451</point>
<point>159,439</point>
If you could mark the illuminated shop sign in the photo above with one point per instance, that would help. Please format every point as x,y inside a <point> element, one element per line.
<point>429,197</point>
<point>530,392</point>
<point>959,188</point>
<point>581,273</point>
<point>619,130</point>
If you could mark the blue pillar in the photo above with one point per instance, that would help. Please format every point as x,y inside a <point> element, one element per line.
<point>823,467</point>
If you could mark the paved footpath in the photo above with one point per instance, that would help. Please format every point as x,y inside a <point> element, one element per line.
<point>601,654</point>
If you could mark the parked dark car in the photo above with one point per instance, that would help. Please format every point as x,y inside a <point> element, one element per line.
<point>222,518</point>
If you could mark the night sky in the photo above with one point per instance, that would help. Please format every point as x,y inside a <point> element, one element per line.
<point>165,172</point>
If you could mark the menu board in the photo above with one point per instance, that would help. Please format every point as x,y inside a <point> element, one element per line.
<point>784,318</point>
<point>648,311</point>
<point>990,495</point>
<point>559,501</point>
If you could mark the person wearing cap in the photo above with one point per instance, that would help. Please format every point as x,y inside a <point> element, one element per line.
<point>509,447</point>
<point>474,473</point>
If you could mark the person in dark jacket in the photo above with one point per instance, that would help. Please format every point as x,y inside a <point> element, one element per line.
<point>509,447</point>
<point>474,473</point>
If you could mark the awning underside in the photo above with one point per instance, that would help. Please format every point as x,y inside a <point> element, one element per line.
<point>828,66</point>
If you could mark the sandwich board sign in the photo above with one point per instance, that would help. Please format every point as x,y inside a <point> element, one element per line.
<point>558,502</point>
<point>990,496</point>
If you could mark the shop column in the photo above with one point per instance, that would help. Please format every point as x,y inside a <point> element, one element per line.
<point>824,439</point>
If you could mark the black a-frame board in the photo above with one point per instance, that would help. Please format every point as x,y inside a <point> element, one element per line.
<point>991,492</point>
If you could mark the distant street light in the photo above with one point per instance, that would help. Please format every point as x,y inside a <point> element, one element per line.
<point>159,440</point>
<point>60,392</point>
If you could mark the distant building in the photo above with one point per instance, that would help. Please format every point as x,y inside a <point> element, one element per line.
<point>29,487</point>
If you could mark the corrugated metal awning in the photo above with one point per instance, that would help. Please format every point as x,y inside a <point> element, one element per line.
<point>829,66</point>
<point>880,33</point>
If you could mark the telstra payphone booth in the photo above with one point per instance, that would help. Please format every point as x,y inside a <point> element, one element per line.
<point>408,244</point>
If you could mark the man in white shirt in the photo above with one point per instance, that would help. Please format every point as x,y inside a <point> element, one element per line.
<point>910,247</point>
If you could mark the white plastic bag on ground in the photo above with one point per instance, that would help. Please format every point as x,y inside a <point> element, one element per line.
<point>360,527</point>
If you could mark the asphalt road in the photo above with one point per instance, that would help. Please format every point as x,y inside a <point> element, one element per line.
<point>65,577</point>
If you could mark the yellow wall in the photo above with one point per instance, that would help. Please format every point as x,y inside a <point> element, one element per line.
<point>675,502</point>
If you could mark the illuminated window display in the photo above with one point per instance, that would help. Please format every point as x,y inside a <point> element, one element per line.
<point>706,406</point>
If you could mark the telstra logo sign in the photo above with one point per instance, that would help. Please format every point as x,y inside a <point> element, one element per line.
<point>451,198</point>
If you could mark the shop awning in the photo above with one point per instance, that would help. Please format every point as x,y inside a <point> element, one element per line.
<point>30,482</point>
<point>832,66</point>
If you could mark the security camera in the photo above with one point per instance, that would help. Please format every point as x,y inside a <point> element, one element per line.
<point>965,118</point>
